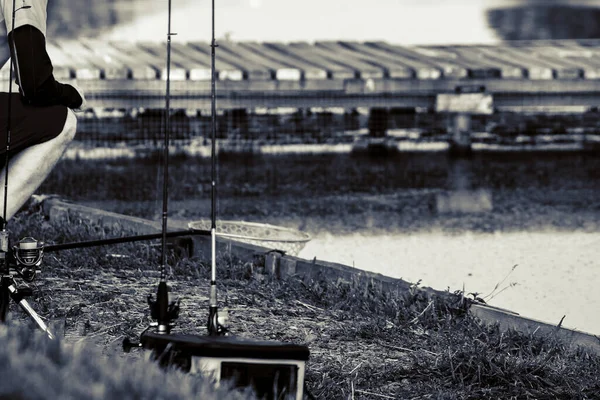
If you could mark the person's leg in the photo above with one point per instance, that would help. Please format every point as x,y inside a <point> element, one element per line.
<point>31,166</point>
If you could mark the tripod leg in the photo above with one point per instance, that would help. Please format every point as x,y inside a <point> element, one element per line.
<point>4,299</point>
<point>30,311</point>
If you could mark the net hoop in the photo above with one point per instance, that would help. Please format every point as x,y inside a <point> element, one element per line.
<point>290,241</point>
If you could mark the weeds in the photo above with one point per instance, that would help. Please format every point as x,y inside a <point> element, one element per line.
<point>493,293</point>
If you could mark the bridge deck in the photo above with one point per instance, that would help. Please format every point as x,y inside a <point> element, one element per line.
<point>327,74</point>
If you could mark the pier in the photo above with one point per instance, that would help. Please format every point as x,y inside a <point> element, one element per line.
<point>527,75</point>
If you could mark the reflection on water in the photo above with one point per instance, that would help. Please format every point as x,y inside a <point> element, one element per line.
<point>565,181</point>
<point>550,203</point>
<point>546,220</point>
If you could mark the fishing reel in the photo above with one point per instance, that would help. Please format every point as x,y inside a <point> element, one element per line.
<point>27,254</point>
<point>162,311</point>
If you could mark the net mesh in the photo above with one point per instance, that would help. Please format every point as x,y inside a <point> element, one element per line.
<point>288,240</point>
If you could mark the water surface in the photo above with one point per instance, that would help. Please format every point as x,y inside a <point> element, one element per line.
<point>557,273</point>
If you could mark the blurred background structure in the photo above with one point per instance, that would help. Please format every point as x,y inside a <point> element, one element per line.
<point>396,21</point>
<point>546,20</point>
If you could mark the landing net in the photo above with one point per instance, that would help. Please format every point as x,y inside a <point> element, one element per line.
<point>290,241</point>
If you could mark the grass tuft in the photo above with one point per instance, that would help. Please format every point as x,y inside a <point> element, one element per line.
<point>33,367</point>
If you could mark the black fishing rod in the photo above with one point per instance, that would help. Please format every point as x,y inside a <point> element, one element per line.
<point>214,327</point>
<point>125,239</point>
<point>161,310</point>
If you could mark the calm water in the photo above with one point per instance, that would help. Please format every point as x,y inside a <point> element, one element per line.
<point>556,274</point>
<point>545,222</point>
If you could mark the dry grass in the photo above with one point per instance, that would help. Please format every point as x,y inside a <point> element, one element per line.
<point>363,343</point>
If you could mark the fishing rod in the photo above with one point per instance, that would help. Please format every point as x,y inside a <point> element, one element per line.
<point>214,327</point>
<point>124,239</point>
<point>161,310</point>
